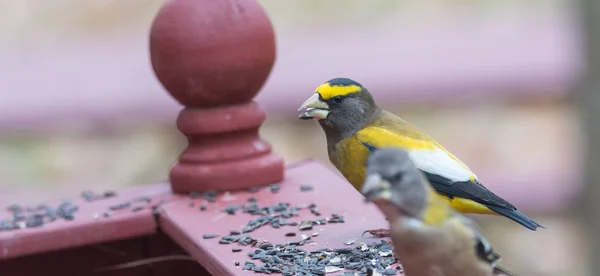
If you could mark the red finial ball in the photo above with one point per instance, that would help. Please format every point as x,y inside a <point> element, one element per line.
<point>211,53</point>
<point>213,57</point>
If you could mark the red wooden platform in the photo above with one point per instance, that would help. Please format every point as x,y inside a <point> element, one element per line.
<point>128,236</point>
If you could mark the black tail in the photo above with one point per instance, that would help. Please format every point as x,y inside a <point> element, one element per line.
<point>516,216</point>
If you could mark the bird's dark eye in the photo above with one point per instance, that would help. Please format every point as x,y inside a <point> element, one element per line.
<point>396,178</point>
<point>337,99</point>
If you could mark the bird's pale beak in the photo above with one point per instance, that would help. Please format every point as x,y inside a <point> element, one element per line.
<point>376,188</point>
<point>313,108</point>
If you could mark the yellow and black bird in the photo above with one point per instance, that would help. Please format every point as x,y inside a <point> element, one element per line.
<point>355,126</point>
<point>429,237</point>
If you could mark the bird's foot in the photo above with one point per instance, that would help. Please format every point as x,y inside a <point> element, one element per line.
<point>379,233</point>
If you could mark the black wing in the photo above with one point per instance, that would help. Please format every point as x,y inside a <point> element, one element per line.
<point>476,192</point>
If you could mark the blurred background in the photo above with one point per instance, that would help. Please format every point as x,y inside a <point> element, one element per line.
<point>492,81</point>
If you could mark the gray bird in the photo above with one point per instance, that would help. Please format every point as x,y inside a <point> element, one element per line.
<point>429,237</point>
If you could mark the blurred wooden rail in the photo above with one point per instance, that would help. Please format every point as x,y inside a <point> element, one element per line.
<point>108,81</point>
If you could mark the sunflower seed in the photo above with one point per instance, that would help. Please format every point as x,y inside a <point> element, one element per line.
<point>120,206</point>
<point>248,265</point>
<point>108,194</point>
<point>274,188</point>
<point>88,196</point>
<point>14,208</point>
<point>305,225</point>
<point>34,223</point>
<point>142,199</point>
<point>231,209</point>
<point>305,188</point>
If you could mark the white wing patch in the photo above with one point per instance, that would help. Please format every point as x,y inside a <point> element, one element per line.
<point>439,162</point>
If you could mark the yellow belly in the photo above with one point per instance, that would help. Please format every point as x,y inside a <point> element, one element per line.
<point>350,159</point>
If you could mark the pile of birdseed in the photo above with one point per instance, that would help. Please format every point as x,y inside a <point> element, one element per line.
<point>31,217</point>
<point>276,216</point>
<point>90,196</point>
<point>290,258</point>
<point>135,205</point>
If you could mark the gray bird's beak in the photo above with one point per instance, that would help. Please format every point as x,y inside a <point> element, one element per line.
<point>376,188</point>
<point>313,108</point>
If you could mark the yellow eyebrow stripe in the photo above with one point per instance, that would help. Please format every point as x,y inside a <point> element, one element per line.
<point>328,91</point>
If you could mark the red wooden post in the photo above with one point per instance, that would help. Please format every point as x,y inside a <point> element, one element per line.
<point>213,57</point>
